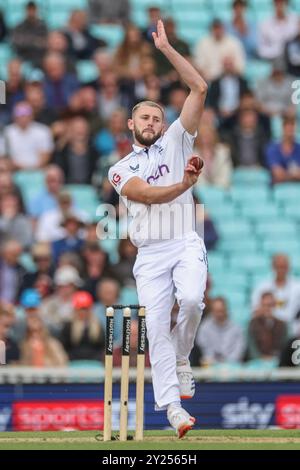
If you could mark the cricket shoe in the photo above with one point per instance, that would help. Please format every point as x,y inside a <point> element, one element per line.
<point>186,380</point>
<point>180,420</point>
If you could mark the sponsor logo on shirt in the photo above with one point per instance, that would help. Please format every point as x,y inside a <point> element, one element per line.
<point>116,179</point>
<point>161,171</point>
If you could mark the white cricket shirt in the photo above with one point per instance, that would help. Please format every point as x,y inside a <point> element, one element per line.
<point>162,165</point>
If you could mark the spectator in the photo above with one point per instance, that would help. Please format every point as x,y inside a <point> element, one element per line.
<point>285,288</point>
<point>108,139</point>
<point>49,228</point>
<point>72,241</point>
<point>58,309</point>
<point>89,109</point>
<point>113,95</point>
<point>29,38</point>
<point>225,93</point>
<point>14,89</point>
<point>7,186</point>
<point>104,61</point>
<point>41,255</point>
<point>154,14</point>
<point>83,337</point>
<point>46,199</point>
<point>59,85</point>
<point>81,43</point>
<point>205,227</point>
<point>30,304</point>
<point>176,99</point>
<point>96,266</point>
<point>108,293</point>
<point>12,352</point>
<point>39,348</point>
<point>11,271</point>
<point>218,165</point>
<point>130,53</point>
<point>283,158</point>
<point>127,256</point>
<point>57,43</point>
<point>108,11</point>
<point>247,102</point>
<point>14,224</point>
<point>34,95</point>
<point>3,28</point>
<point>292,55</point>
<point>148,87</point>
<point>164,68</point>
<point>243,29</point>
<point>218,338</point>
<point>29,144</point>
<point>79,157</point>
<point>211,51</point>
<point>247,140</point>
<point>274,93</point>
<point>266,334</point>
<point>275,31</point>
<point>117,359</point>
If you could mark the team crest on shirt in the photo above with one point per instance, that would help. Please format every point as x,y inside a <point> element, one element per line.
<point>134,169</point>
<point>116,179</point>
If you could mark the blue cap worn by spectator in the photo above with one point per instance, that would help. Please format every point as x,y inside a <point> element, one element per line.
<point>30,298</point>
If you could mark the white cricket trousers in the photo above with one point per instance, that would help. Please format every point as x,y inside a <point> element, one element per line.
<point>164,271</point>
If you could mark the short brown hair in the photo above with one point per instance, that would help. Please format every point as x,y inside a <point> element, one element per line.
<point>148,103</point>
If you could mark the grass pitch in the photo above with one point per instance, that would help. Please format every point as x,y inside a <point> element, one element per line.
<point>155,440</point>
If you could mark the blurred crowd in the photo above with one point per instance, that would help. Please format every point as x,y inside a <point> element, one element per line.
<point>73,131</point>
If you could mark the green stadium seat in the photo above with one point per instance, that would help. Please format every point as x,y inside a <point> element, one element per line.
<point>241,316</point>
<point>251,177</point>
<point>221,212</point>
<point>216,263</point>
<point>248,194</point>
<point>110,246</point>
<point>29,180</point>
<point>129,296</point>
<point>261,364</point>
<point>262,211</point>
<point>291,211</point>
<point>276,127</point>
<point>249,263</point>
<point>287,192</point>
<point>233,246</point>
<point>113,34</point>
<point>235,229</point>
<point>288,247</point>
<point>87,71</point>
<point>279,228</point>
<point>57,19</point>
<point>230,280</point>
<point>257,70</point>
<point>195,17</point>
<point>27,262</point>
<point>210,194</point>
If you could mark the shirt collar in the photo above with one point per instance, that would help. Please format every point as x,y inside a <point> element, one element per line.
<point>139,150</point>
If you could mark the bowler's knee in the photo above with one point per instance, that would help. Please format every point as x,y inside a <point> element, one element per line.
<point>192,303</point>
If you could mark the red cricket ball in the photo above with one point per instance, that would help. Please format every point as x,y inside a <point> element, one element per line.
<point>197,162</point>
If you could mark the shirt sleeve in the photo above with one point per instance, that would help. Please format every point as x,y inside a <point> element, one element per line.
<point>181,138</point>
<point>46,141</point>
<point>118,176</point>
<point>272,157</point>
